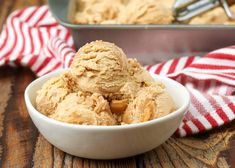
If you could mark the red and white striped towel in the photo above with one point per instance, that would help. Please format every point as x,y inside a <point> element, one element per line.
<point>31,37</point>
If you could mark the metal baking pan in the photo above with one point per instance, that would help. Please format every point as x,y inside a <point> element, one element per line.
<point>149,43</point>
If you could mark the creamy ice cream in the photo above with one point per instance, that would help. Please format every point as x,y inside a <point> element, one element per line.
<point>123,12</point>
<point>139,12</point>
<point>100,67</point>
<point>85,109</point>
<point>150,102</point>
<point>97,12</point>
<point>53,92</point>
<point>145,12</point>
<point>214,16</point>
<point>103,87</point>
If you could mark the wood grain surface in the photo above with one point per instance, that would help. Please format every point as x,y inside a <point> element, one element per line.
<point>22,146</point>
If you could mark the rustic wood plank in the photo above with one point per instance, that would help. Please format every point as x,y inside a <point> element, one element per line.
<point>5,90</point>
<point>18,133</point>
<point>58,158</point>
<point>5,8</point>
<point>43,155</point>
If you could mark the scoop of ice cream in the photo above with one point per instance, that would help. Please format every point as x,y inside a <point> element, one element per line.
<point>85,109</point>
<point>146,12</point>
<point>151,102</point>
<point>138,78</point>
<point>138,73</point>
<point>53,92</point>
<point>97,12</point>
<point>100,67</point>
<point>214,16</point>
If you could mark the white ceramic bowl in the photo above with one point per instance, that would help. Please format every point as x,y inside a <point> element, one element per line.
<point>108,142</point>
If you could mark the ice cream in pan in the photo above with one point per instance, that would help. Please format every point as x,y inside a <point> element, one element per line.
<point>103,87</point>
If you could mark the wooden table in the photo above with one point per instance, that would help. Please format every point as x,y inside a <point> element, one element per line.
<point>22,146</point>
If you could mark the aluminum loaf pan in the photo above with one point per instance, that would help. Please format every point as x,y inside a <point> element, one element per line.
<point>149,43</point>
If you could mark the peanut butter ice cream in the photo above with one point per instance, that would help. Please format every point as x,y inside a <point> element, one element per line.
<point>123,12</point>
<point>100,67</point>
<point>139,12</point>
<point>150,102</point>
<point>53,92</point>
<point>145,12</point>
<point>85,109</point>
<point>214,16</point>
<point>103,87</point>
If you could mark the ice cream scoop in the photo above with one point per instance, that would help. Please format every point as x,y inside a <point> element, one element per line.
<point>84,109</point>
<point>151,102</point>
<point>146,12</point>
<point>100,67</point>
<point>53,92</point>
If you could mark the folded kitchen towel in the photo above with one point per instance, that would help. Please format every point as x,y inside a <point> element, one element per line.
<point>31,37</point>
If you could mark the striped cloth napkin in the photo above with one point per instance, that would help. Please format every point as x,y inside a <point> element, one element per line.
<point>31,37</point>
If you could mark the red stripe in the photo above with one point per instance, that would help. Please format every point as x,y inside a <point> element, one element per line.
<point>212,67</point>
<point>230,73</point>
<point>23,45</point>
<point>51,25</point>
<point>58,33</point>
<point>31,40</point>
<point>187,129</point>
<point>173,66</point>
<point>70,62</point>
<point>201,109</point>
<point>177,132</point>
<point>199,125</point>
<point>5,40</point>
<point>189,61</point>
<point>225,76</point>
<point>212,75</point>
<point>232,107</point>
<point>183,79</point>
<point>221,56</point>
<point>32,14</point>
<point>14,43</point>
<point>39,34</point>
<point>207,85</point>
<point>211,120</point>
<point>67,36</point>
<point>159,68</point>
<point>53,68</point>
<point>59,50</point>
<point>149,67</point>
<point>196,122</point>
<point>41,17</point>
<point>43,64</point>
<point>51,52</point>
<point>7,32</point>
<point>65,55</point>
<point>33,60</point>
<point>215,105</point>
<point>222,115</point>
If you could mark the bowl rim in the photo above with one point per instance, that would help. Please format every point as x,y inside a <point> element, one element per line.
<point>31,109</point>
